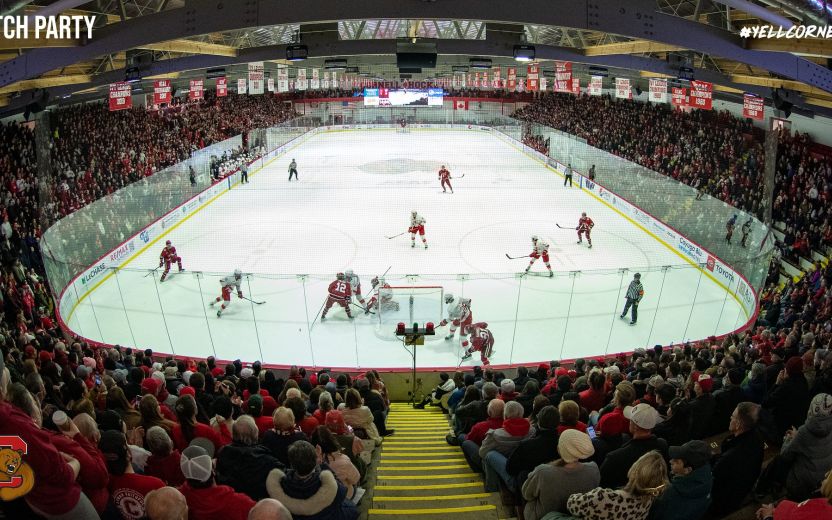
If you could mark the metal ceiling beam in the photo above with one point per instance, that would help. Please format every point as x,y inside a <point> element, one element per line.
<point>802,47</point>
<point>192,47</point>
<point>51,81</point>
<point>633,47</point>
<point>633,18</point>
<point>32,43</point>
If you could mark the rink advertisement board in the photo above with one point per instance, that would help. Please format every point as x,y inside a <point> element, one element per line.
<point>622,88</point>
<point>121,96</point>
<point>161,91</point>
<point>753,107</point>
<point>222,87</point>
<point>256,78</point>
<point>596,85</point>
<point>658,90</point>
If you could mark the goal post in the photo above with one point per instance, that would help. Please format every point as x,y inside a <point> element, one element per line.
<point>411,304</point>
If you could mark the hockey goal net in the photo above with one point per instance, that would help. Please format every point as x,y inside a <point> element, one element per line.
<point>410,304</point>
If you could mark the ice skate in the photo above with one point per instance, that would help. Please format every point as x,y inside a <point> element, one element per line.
<point>466,356</point>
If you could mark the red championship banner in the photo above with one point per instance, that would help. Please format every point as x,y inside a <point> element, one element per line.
<point>701,95</point>
<point>533,77</point>
<point>511,83</point>
<point>753,107</point>
<point>497,82</point>
<point>161,91</point>
<point>195,92</point>
<point>121,96</point>
<point>622,88</point>
<point>563,76</point>
<point>576,86</point>
<point>679,97</point>
<point>658,90</point>
<point>222,87</point>
<point>596,85</point>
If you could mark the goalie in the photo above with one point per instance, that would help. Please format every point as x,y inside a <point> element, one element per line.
<point>459,316</point>
<point>383,297</point>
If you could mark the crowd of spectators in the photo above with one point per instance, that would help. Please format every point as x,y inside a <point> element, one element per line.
<point>659,434</point>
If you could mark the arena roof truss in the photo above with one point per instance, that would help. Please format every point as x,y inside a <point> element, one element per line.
<point>648,37</point>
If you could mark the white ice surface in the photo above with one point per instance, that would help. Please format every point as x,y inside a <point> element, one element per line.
<point>355,188</point>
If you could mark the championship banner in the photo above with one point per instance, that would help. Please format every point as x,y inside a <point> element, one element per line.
<point>195,92</point>
<point>753,107</point>
<point>576,86</point>
<point>596,85</point>
<point>256,77</point>
<point>241,86</point>
<point>325,82</point>
<point>497,82</point>
<point>622,88</point>
<point>270,84</point>
<point>532,77</point>
<point>511,84</point>
<point>300,81</point>
<point>334,81</point>
<point>282,78</point>
<point>222,87</point>
<point>315,83</point>
<point>476,80</point>
<point>543,83</point>
<point>679,97</point>
<point>658,90</point>
<point>701,95</point>
<point>121,96</point>
<point>563,76</point>
<point>161,91</point>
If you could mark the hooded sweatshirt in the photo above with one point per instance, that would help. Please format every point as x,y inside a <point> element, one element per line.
<point>506,439</point>
<point>810,454</point>
<point>318,496</point>
<point>687,497</point>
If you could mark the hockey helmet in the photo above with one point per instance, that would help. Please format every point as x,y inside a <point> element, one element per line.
<point>449,298</point>
<point>340,276</point>
<point>237,273</point>
<point>167,243</point>
<point>374,281</point>
<point>534,238</point>
<point>583,214</point>
<point>413,212</point>
<point>348,273</point>
<point>465,301</point>
<point>637,276</point>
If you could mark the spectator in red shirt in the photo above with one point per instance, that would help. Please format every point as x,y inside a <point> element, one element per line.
<point>471,443</point>
<point>304,421</point>
<point>126,487</point>
<point>206,499</point>
<point>188,428</point>
<point>570,412</point>
<point>254,408</point>
<point>164,459</point>
<point>594,398</point>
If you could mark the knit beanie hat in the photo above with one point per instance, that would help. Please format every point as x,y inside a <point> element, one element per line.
<point>574,445</point>
<point>821,406</point>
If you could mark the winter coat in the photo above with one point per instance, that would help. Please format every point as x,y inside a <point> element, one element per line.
<point>245,468</point>
<point>530,453</point>
<point>481,429</point>
<point>549,487</point>
<point>618,462</point>
<point>810,456</point>
<point>736,470</point>
<point>687,497</point>
<point>278,442</point>
<point>726,400</point>
<point>789,403</point>
<point>316,497</point>
<point>506,439</point>
<point>361,417</point>
<point>467,415</point>
<point>701,416</point>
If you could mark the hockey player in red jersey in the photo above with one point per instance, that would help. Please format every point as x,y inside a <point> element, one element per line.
<point>383,297</point>
<point>482,341</point>
<point>540,250</point>
<point>417,225</point>
<point>340,292</point>
<point>229,283</point>
<point>167,257</point>
<point>585,225</point>
<point>459,316</point>
<point>445,178</point>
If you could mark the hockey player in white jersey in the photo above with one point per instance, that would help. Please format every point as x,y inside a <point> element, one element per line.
<point>355,284</point>
<point>417,225</point>
<point>383,298</point>
<point>460,317</point>
<point>540,250</point>
<point>229,283</point>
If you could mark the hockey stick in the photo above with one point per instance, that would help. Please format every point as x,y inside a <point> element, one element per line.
<point>362,308</point>
<point>151,272</point>
<point>561,227</point>
<point>254,302</point>
<point>394,236</point>
<point>516,257</point>
<point>461,176</point>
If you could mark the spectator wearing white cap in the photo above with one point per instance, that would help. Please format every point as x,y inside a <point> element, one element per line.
<point>643,418</point>
<point>550,485</point>
<point>507,390</point>
<point>207,500</point>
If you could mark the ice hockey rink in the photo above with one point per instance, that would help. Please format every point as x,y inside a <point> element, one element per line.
<point>358,186</point>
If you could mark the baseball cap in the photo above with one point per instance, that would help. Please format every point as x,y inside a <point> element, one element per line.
<point>196,464</point>
<point>642,415</point>
<point>705,382</point>
<point>204,443</point>
<point>695,454</point>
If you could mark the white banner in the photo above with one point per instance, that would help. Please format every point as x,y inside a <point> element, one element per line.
<point>316,82</point>
<point>270,84</point>
<point>256,78</point>
<point>241,86</point>
<point>543,83</point>
<point>334,82</point>
<point>282,78</point>
<point>658,90</point>
<point>622,88</point>
<point>325,82</point>
<point>596,85</point>
<point>300,81</point>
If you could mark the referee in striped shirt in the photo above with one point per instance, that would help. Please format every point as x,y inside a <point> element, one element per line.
<point>635,292</point>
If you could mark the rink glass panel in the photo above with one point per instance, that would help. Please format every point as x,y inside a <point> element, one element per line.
<point>535,319</point>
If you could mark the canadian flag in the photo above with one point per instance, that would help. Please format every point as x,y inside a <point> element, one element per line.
<point>461,104</point>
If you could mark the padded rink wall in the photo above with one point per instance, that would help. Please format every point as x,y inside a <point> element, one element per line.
<point>85,282</point>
